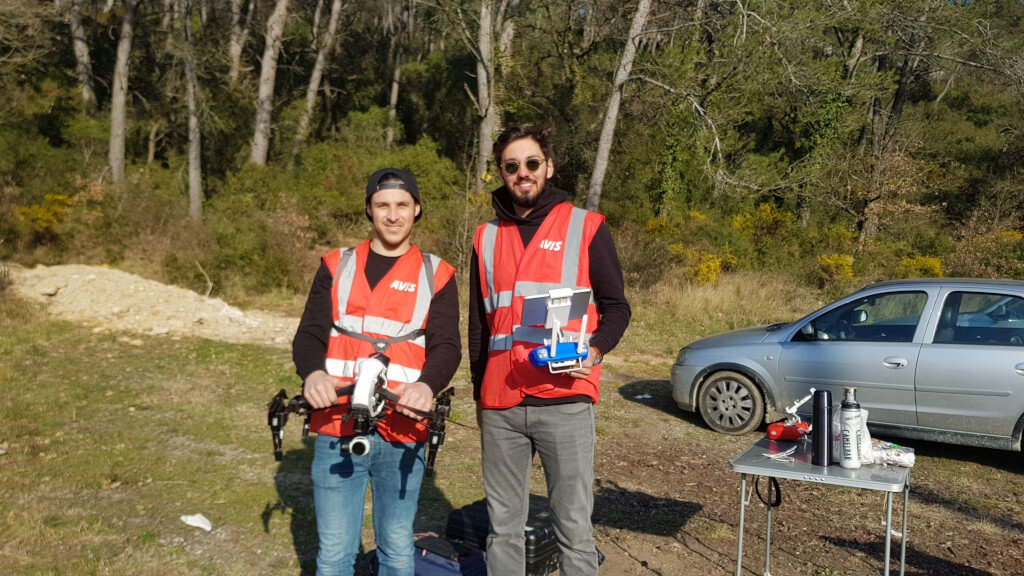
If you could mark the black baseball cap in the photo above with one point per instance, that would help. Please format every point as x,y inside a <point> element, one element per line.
<point>378,181</point>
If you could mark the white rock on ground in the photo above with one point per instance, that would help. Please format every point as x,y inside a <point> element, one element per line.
<point>110,299</point>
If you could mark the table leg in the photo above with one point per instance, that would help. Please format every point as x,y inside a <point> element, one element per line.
<point>768,533</point>
<point>888,530</point>
<point>743,509</point>
<point>903,543</point>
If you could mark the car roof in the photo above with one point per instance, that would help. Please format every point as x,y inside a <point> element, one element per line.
<point>947,282</point>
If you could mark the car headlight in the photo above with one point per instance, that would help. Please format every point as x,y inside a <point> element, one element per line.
<point>683,355</point>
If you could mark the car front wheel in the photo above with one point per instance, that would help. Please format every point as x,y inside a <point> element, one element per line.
<point>731,403</point>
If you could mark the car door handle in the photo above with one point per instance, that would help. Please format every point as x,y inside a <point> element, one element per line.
<point>894,362</point>
<point>1019,369</point>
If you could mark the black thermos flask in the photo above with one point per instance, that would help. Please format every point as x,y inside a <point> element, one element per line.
<point>821,431</point>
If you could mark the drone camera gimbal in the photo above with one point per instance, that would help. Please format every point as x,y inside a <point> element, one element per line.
<point>370,396</point>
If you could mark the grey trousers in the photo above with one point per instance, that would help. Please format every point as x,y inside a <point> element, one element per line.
<point>563,436</point>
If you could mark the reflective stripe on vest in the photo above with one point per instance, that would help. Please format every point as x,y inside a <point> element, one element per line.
<point>347,369</point>
<point>384,314</point>
<point>495,300</point>
<point>570,263</point>
<point>377,325</point>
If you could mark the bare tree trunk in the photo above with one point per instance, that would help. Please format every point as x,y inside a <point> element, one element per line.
<point>393,99</point>
<point>154,130</point>
<point>109,6</point>
<point>949,84</point>
<point>268,73</point>
<point>604,144</point>
<point>314,80</point>
<point>83,64</point>
<point>855,52</point>
<point>195,174</point>
<point>315,34</point>
<point>239,35</point>
<point>119,93</point>
<point>508,30</point>
<point>484,91</point>
<point>168,15</point>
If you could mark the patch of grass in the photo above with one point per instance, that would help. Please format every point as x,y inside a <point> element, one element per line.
<point>710,529</point>
<point>108,443</point>
<point>986,505</point>
<point>675,312</point>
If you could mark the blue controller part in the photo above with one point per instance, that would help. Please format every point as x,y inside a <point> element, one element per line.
<point>564,352</point>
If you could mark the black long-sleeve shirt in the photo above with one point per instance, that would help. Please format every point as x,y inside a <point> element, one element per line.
<point>443,345</point>
<point>605,280</point>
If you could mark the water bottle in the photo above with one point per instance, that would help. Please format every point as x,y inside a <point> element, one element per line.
<point>850,429</point>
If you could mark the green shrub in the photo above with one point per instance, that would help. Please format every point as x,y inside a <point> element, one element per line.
<point>643,255</point>
<point>996,255</point>
<point>768,233</point>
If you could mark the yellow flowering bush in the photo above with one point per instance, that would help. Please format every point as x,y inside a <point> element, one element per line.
<point>680,253</point>
<point>708,268</point>
<point>764,222</point>
<point>921,267</point>
<point>659,227</point>
<point>835,268</point>
<point>41,220</point>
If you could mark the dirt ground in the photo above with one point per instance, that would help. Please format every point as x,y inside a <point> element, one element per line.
<point>666,501</point>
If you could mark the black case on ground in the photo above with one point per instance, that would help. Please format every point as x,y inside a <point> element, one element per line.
<point>470,525</point>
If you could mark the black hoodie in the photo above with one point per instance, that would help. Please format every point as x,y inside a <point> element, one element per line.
<point>605,279</point>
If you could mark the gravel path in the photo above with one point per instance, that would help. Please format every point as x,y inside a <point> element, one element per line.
<point>109,299</point>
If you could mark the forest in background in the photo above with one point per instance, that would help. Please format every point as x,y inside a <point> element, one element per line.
<point>224,144</point>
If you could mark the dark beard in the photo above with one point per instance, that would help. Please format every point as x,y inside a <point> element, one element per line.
<point>528,203</point>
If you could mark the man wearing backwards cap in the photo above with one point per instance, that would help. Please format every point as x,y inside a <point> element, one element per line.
<point>382,294</point>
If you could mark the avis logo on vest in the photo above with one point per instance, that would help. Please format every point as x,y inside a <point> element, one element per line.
<point>550,245</point>
<point>403,286</point>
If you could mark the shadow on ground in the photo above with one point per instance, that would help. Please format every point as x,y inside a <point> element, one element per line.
<point>918,563</point>
<point>956,505</point>
<point>295,499</point>
<point>999,459</point>
<point>434,506</point>
<point>618,507</point>
<point>657,394</point>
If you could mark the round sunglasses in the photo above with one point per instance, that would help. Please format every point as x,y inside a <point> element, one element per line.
<point>512,166</point>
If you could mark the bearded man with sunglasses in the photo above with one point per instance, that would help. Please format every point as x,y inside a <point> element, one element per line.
<point>538,241</point>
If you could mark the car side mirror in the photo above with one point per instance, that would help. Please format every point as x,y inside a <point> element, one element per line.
<point>807,330</point>
<point>858,316</point>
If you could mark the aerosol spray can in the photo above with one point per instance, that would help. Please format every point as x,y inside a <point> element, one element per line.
<point>850,429</point>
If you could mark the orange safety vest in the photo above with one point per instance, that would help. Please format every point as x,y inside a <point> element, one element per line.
<point>393,315</point>
<point>558,257</point>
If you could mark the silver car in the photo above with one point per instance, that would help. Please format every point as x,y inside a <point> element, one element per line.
<point>937,359</point>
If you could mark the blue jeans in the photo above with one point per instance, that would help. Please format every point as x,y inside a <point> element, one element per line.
<point>395,472</point>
